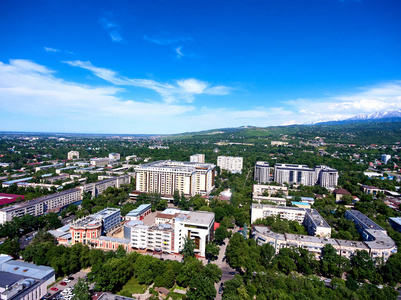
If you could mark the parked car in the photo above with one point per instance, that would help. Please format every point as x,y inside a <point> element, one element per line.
<point>221,288</point>
<point>63,283</point>
<point>328,280</point>
<point>54,289</point>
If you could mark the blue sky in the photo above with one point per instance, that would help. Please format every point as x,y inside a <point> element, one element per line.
<point>175,66</point>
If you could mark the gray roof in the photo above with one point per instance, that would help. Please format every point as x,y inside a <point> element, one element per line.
<point>27,269</point>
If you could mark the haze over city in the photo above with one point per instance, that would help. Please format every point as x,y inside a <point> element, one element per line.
<point>176,66</point>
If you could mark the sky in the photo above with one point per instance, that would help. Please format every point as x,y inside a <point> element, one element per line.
<point>161,67</point>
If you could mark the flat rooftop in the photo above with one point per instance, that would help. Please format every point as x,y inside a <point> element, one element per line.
<point>316,218</point>
<point>396,220</point>
<point>41,199</point>
<point>105,213</point>
<point>198,217</point>
<point>364,220</point>
<point>178,166</point>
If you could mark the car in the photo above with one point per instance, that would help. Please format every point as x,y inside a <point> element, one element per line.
<point>63,283</point>
<point>54,289</point>
<point>224,258</point>
<point>70,278</point>
<point>67,280</point>
<point>328,280</point>
<point>379,286</point>
<point>232,273</point>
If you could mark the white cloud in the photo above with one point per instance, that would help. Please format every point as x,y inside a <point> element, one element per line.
<point>179,52</point>
<point>165,40</point>
<point>381,97</point>
<point>48,49</point>
<point>113,30</point>
<point>184,89</point>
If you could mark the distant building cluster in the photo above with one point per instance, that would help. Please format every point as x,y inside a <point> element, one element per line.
<point>55,202</point>
<point>376,241</point>
<point>166,176</point>
<point>278,143</point>
<point>230,163</point>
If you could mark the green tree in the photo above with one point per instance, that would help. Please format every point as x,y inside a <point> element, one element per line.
<point>212,250</point>
<point>189,247</point>
<point>201,287</point>
<point>81,290</point>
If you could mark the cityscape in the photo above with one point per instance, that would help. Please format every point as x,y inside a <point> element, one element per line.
<point>183,150</point>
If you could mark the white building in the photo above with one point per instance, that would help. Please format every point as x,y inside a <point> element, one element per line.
<point>302,174</point>
<point>73,154</point>
<point>230,163</point>
<point>171,228</point>
<point>114,156</point>
<point>385,158</point>
<point>100,162</point>
<point>310,218</point>
<point>41,205</point>
<point>167,176</point>
<point>262,172</point>
<point>96,188</point>
<point>199,158</point>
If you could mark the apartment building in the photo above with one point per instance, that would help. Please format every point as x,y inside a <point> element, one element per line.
<point>262,172</point>
<point>171,228</point>
<point>41,205</point>
<point>96,188</point>
<point>99,162</point>
<point>375,239</point>
<point>167,176</point>
<point>114,156</point>
<point>199,158</point>
<point>73,154</point>
<point>230,163</point>
<point>310,218</point>
<point>302,174</point>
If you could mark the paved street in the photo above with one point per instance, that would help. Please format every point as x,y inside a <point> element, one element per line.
<point>223,265</point>
<point>60,287</point>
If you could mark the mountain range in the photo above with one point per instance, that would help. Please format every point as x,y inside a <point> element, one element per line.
<point>381,116</point>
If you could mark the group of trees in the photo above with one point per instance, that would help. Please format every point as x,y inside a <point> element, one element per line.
<point>267,275</point>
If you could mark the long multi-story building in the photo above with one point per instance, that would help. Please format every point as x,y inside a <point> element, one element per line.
<point>166,176</point>
<point>199,158</point>
<point>234,164</point>
<point>310,218</point>
<point>96,188</point>
<point>262,172</point>
<point>376,241</point>
<point>302,174</point>
<point>39,206</point>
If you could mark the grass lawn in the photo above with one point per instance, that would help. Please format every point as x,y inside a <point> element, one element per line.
<point>133,287</point>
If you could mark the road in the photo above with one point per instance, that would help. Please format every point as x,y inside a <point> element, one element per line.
<point>60,287</point>
<point>224,266</point>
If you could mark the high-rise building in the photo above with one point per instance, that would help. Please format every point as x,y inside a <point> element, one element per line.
<point>166,176</point>
<point>200,158</point>
<point>385,158</point>
<point>298,174</point>
<point>302,174</point>
<point>262,172</point>
<point>230,163</point>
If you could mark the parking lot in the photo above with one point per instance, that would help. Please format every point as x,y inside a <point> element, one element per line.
<point>58,290</point>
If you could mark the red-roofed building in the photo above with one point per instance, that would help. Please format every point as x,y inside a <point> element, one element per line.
<point>9,198</point>
<point>340,193</point>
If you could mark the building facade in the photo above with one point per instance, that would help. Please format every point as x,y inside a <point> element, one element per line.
<point>199,158</point>
<point>230,163</point>
<point>302,174</point>
<point>114,156</point>
<point>165,177</point>
<point>73,154</point>
<point>39,206</point>
<point>262,172</point>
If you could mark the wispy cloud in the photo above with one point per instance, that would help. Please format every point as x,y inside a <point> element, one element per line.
<point>55,50</point>
<point>184,89</point>
<point>179,52</point>
<point>48,49</point>
<point>113,30</point>
<point>165,40</point>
